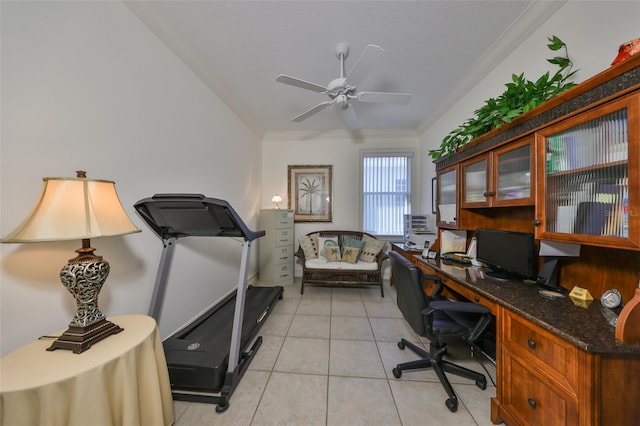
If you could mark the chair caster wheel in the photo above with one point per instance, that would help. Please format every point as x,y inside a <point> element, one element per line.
<point>482,384</point>
<point>452,404</point>
<point>220,408</point>
<point>401,345</point>
<point>397,373</point>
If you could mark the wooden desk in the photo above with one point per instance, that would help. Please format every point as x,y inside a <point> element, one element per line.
<point>122,380</point>
<point>557,363</point>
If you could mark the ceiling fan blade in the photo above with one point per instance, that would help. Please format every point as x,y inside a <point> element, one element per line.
<point>367,60</point>
<point>286,79</point>
<point>350,117</point>
<point>384,97</point>
<point>308,113</point>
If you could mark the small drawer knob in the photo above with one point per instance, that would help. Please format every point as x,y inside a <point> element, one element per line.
<point>476,298</point>
<point>532,403</point>
<point>531,343</point>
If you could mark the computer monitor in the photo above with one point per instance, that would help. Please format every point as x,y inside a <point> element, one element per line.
<point>509,255</point>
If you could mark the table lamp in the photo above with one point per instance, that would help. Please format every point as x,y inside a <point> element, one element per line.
<point>70,209</point>
<point>276,200</point>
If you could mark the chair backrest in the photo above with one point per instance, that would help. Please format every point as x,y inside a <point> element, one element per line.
<point>407,278</point>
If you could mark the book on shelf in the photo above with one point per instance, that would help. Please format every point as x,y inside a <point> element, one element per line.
<point>591,217</point>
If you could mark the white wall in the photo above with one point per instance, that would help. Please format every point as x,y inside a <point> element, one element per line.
<point>339,149</point>
<point>86,86</point>
<point>592,30</point>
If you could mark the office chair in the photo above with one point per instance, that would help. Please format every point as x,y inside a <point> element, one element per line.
<point>438,319</point>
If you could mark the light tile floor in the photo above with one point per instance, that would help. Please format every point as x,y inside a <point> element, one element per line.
<point>326,359</point>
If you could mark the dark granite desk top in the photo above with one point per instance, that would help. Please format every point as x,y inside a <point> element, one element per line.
<point>585,328</point>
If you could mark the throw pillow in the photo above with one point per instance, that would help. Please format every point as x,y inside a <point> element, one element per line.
<point>309,244</point>
<point>333,253</point>
<point>350,254</point>
<point>371,248</point>
<point>351,242</point>
<point>323,242</point>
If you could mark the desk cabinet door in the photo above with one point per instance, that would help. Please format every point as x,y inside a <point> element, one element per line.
<point>532,400</point>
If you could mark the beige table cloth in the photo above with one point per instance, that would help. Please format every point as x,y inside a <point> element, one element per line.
<point>122,380</point>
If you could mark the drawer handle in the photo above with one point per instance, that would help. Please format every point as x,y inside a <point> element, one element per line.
<point>476,298</point>
<point>532,403</point>
<point>531,343</point>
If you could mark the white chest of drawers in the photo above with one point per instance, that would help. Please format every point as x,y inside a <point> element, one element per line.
<point>277,246</point>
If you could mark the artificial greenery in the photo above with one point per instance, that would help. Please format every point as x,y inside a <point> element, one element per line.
<point>520,96</point>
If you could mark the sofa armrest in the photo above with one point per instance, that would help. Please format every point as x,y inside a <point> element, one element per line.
<point>381,257</point>
<point>300,255</point>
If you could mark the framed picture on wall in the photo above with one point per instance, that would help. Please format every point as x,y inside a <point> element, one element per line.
<point>309,193</point>
<point>434,195</point>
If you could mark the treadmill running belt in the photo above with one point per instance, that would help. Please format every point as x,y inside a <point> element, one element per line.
<point>198,355</point>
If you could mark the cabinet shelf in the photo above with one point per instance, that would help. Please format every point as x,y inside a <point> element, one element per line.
<point>588,169</point>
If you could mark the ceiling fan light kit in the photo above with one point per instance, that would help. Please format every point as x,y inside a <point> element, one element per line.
<point>341,91</point>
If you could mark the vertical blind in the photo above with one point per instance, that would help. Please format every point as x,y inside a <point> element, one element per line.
<point>386,192</point>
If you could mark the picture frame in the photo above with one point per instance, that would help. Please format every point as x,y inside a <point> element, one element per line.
<point>434,195</point>
<point>309,190</point>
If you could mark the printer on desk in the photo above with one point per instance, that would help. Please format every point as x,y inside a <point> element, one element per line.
<point>418,240</point>
<point>417,230</point>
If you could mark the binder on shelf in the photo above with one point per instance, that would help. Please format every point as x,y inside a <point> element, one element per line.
<point>591,217</point>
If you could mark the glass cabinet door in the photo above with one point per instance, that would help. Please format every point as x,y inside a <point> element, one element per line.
<point>590,186</point>
<point>475,185</point>
<point>447,197</point>
<point>502,177</point>
<point>514,174</point>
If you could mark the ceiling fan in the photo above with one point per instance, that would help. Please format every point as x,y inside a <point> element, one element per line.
<point>342,90</point>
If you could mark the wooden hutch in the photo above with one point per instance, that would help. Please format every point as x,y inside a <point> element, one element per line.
<point>573,157</point>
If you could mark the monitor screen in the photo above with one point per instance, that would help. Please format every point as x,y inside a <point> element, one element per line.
<point>509,255</point>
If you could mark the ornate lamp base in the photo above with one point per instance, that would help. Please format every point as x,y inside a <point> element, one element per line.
<point>79,339</point>
<point>83,277</point>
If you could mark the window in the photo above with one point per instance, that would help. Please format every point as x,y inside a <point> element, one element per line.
<point>386,191</point>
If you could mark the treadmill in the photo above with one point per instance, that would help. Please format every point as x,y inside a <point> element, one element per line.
<point>207,358</point>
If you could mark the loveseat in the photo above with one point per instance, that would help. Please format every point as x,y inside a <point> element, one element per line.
<point>341,258</point>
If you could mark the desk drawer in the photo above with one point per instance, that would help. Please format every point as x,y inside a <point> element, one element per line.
<point>532,400</point>
<point>551,354</point>
<point>469,294</point>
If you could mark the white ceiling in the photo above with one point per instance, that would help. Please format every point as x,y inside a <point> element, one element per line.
<point>435,50</point>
